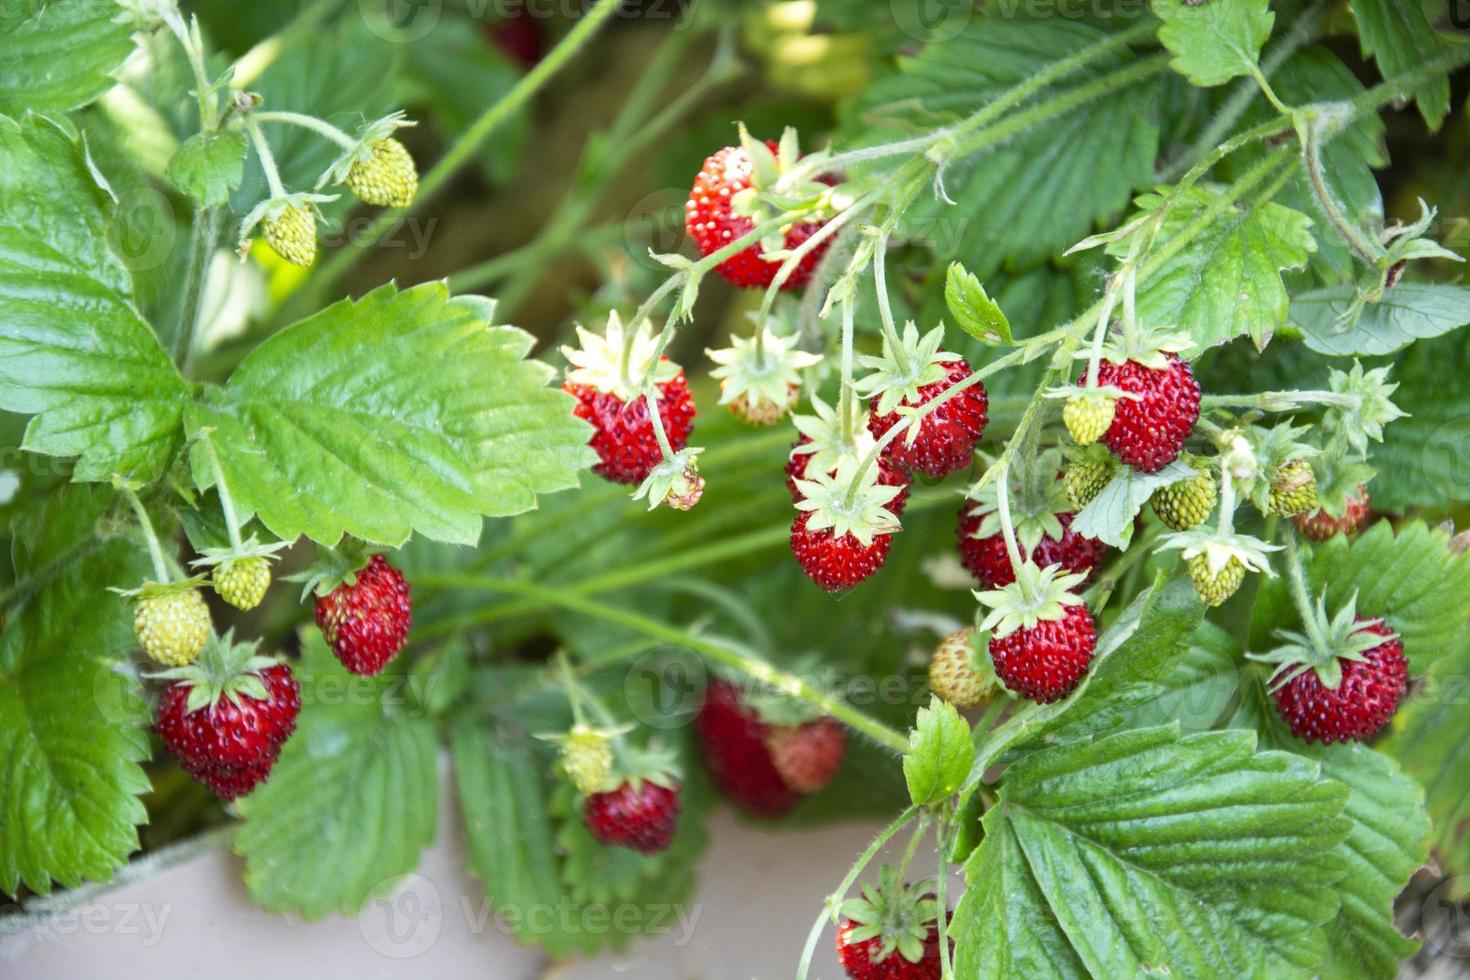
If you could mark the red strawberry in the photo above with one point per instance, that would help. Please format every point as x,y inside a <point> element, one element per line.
<point>1320,525</point>
<point>1366,696</point>
<point>736,755</point>
<point>836,563</point>
<point>713,219</point>
<point>947,436</point>
<point>366,622</point>
<point>861,959</point>
<point>808,755</point>
<point>230,783</point>
<point>1148,432</point>
<point>624,439</point>
<point>987,560</point>
<point>1046,662</point>
<point>639,814</point>
<point>888,476</point>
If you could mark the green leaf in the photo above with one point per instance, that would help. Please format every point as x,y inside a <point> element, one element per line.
<point>1411,580</point>
<point>352,801</point>
<point>58,55</point>
<point>1399,36</point>
<point>1196,689</point>
<point>1150,853</point>
<point>208,166</point>
<point>71,715</point>
<point>73,351</point>
<point>1109,516</point>
<point>976,313</point>
<point>400,412</point>
<point>1226,282</point>
<point>1039,190</point>
<point>1215,41</point>
<point>1406,313</point>
<point>939,755</point>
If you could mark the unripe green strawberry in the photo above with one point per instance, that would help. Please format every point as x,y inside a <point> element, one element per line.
<point>1087,476</point>
<point>387,178</point>
<point>1293,489</point>
<point>587,757</point>
<point>242,581</point>
<point>958,674</point>
<point>172,626</point>
<point>1214,587</point>
<point>1087,417</point>
<point>292,234</point>
<point>1186,504</point>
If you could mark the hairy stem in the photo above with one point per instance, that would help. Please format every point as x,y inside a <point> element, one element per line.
<point>155,550</point>
<point>201,247</point>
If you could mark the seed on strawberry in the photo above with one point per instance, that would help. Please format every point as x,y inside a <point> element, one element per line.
<point>292,234</point>
<point>734,742</point>
<point>1369,686</point>
<point>808,755</point>
<point>1187,503</point>
<point>1214,585</point>
<point>1148,431</point>
<point>623,436</point>
<point>242,582</point>
<point>988,561</point>
<point>957,672</point>
<point>836,563</point>
<point>1321,525</point>
<point>891,933</point>
<point>1047,661</point>
<point>725,204</point>
<point>387,177</point>
<point>639,814</point>
<point>947,436</point>
<point>366,621</point>
<point>172,626</point>
<point>1087,415</point>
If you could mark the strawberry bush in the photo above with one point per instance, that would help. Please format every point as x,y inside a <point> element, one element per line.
<point>1040,437</point>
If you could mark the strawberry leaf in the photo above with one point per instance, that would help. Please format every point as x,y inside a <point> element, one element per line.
<point>1233,847</point>
<point>74,352</point>
<point>939,755</point>
<point>1109,516</point>
<point>59,55</point>
<point>1330,324</point>
<point>400,412</point>
<point>973,310</point>
<point>208,166</point>
<point>1216,41</point>
<point>71,715</point>
<point>1401,39</point>
<point>352,801</point>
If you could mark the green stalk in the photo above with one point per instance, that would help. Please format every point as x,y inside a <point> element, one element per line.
<point>201,247</point>
<point>155,550</point>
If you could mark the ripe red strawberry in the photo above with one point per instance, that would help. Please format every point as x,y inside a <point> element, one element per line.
<point>947,435</point>
<point>860,959</point>
<point>733,737</point>
<point>1365,698</point>
<point>1320,525</point>
<point>624,439</point>
<point>888,476</point>
<point>639,814</point>
<point>716,214</point>
<point>230,783</point>
<point>1046,661</point>
<point>987,560</point>
<point>366,621</point>
<point>1148,432</point>
<point>836,563</point>
<point>808,755</point>
<point>891,933</point>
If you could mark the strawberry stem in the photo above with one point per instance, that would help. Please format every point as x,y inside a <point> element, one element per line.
<point>570,685</point>
<point>267,159</point>
<point>312,123</point>
<point>845,396</point>
<point>1008,529</point>
<point>155,550</point>
<point>1299,595</point>
<point>650,397</point>
<point>226,502</point>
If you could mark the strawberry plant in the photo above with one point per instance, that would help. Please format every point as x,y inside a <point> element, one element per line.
<point>1042,438</point>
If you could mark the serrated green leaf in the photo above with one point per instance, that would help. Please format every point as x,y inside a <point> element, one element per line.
<point>1108,517</point>
<point>1406,313</point>
<point>1410,579</point>
<point>1039,191</point>
<point>1196,689</point>
<point>974,312</point>
<point>352,801</point>
<point>939,755</point>
<point>1226,282</point>
<point>208,166</point>
<point>1232,847</point>
<point>1400,38</point>
<point>1215,41</point>
<point>58,55</point>
<point>400,412</point>
<point>71,715</point>
<point>73,351</point>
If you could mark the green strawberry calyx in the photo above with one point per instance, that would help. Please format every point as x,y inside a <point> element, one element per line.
<point>899,372</point>
<point>1322,645</point>
<point>250,548</point>
<point>225,669</point>
<point>1037,501</point>
<point>843,506</point>
<point>1037,595</point>
<point>898,914</point>
<point>334,567</point>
